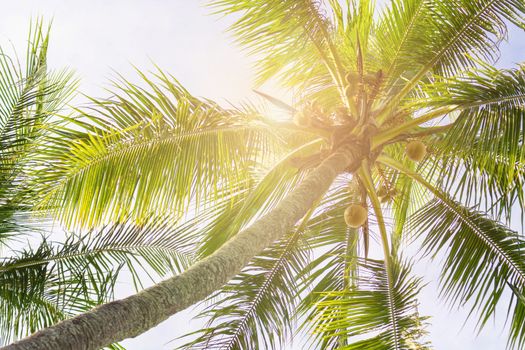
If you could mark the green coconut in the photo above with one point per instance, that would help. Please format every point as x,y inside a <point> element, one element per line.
<point>382,191</point>
<point>350,91</point>
<point>355,215</point>
<point>416,150</point>
<point>301,119</point>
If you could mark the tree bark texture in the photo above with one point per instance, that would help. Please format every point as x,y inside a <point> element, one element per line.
<point>129,317</point>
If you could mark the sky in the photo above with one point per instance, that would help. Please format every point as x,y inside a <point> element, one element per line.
<point>97,38</point>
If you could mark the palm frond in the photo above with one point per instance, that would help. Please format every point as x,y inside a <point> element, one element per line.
<point>156,150</point>
<point>408,195</point>
<point>474,27</point>
<point>402,24</point>
<point>255,310</point>
<point>483,260</point>
<point>448,37</point>
<point>265,190</point>
<point>295,39</point>
<point>375,313</point>
<point>54,281</point>
<point>482,154</point>
<point>30,97</point>
<point>35,296</point>
<point>336,269</point>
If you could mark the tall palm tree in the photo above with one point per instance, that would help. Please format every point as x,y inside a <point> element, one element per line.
<point>402,117</point>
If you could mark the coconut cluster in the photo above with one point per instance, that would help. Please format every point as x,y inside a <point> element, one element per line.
<point>370,82</point>
<point>301,119</point>
<point>386,194</point>
<point>311,114</point>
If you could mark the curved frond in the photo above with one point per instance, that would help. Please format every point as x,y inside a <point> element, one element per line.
<point>406,195</point>
<point>401,25</point>
<point>373,314</point>
<point>30,97</point>
<point>472,27</point>
<point>484,146</point>
<point>264,191</point>
<point>336,269</point>
<point>54,281</point>
<point>34,296</point>
<point>255,310</point>
<point>295,38</point>
<point>483,260</point>
<point>156,150</point>
<point>443,36</point>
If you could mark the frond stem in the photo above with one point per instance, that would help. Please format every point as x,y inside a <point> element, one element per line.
<point>389,134</point>
<point>376,204</point>
<point>108,249</point>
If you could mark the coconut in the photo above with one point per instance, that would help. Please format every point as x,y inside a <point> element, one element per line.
<point>350,91</point>
<point>355,215</point>
<point>351,78</point>
<point>353,186</point>
<point>386,196</point>
<point>301,119</point>
<point>382,191</point>
<point>416,150</point>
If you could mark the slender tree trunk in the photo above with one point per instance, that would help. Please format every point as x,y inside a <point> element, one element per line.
<point>129,317</point>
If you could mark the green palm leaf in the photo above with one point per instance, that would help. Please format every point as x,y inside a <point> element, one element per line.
<point>402,24</point>
<point>163,150</point>
<point>443,36</point>
<point>484,147</point>
<point>373,315</point>
<point>255,309</point>
<point>34,295</point>
<point>266,189</point>
<point>483,259</point>
<point>54,281</point>
<point>336,268</point>
<point>294,37</point>
<point>30,97</point>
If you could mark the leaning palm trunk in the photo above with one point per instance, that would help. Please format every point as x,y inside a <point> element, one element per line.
<point>129,317</point>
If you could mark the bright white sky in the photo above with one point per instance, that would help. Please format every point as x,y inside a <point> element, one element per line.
<point>97,36</point>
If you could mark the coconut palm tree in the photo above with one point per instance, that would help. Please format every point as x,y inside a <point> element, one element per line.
<point>404,132</point>
<point>29,97</point>
<point>49,281</point>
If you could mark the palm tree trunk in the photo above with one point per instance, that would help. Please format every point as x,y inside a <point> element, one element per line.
<point>129,317</point>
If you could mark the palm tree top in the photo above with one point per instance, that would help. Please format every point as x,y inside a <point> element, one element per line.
<point>429,140</point>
